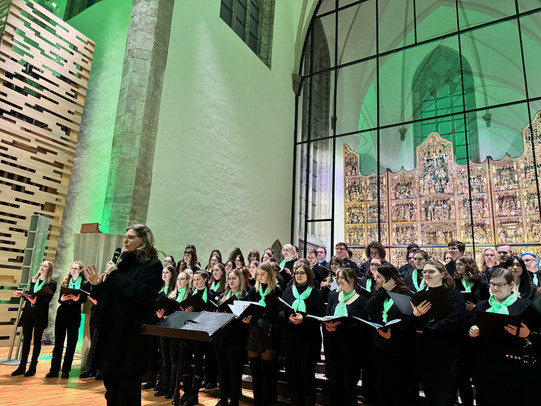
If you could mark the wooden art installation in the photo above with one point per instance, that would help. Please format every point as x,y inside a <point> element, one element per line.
<point>44,70</point>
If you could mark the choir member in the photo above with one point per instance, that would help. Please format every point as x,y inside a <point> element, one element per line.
<point>301,337</point>
<point>415,280</point>
<point>468,278</point>
<point>230,345</point>
<point>331,282</point>
<point>320,272</point>
<point>68,320</point>
<point>532,265</point>
<point>501,375</point>
<point>217,281</point>
<point>368,280</point>
<point>374,250</point>
<point>523,281</point>
<point>35,316</point>
<point>488,261</point>
<point>253,256</point>
<point>438,340</point>
<point>262,340</point>
<point>343,355</point>
<point>390,348</point>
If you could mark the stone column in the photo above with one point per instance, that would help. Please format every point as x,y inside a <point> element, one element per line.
<point>134,140</point>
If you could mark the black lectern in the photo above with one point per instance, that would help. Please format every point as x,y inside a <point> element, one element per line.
<point>188,326</point>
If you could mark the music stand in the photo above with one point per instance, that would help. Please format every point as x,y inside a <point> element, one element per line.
<point>188,326</point>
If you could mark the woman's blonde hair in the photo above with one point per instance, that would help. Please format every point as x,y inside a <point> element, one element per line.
<point>49,275</point>
<point>271,280</point>
<point>242,286</point>
<point>147,249</point>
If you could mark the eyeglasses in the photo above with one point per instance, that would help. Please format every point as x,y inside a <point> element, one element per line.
<point>498,285</point>
<point>340,249</point>
<point>429,272</point>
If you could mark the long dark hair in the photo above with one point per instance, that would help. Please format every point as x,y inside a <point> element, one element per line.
<point>388,271</point>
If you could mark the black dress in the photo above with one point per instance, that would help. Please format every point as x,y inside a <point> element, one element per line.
<point>301,344</point>
<point>67,322</point>
<point>35,318</point>
<point>437,352</point>
<point>126,302</point>
<point>500,378</point>
<point>343,355</point>
<point>391,359</point>
<point>230,350</point>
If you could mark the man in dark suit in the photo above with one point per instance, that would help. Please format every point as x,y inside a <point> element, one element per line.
<point>342,251</point>
<point>322,257</point>
<point>320,272</point>
<point>407,268</point>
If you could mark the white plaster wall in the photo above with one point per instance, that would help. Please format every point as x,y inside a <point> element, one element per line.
<point>224,154</point>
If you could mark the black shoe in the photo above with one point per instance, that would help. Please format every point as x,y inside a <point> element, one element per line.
<point>169,395</point>
<point>88,373</point>
<point>65,375</point>
<point>149,385</point>
<point>20,370</point>
<point>31,371</point>
<point>210,385</point>
<point>52,375</point>
<point>159,393</point>
<point>99,376</point>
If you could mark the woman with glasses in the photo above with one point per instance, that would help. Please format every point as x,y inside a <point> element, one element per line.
<point>532,265</point>
<point>415,280</point>
<point>438,339</point>
<point>501,378</point>
<point>301,337</point>
<point>230,345</point>
<point>343,358</point>
<point>262,343</point>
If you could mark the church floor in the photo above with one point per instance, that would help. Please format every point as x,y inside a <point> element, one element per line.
<point>37,390</point>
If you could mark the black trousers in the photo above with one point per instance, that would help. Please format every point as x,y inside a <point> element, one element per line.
<point>301,360</point>
<point>34,321</point>
<point>64,326</point>
<point>122,390</point>
<point>170,349</point>
<point>230,354</point>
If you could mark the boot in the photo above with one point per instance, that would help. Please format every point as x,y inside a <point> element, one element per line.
<point>187,386</point>
<point>193,399</point>
<point>21,369</point>
<point>268,385</point>
<point>255,368</point>
<point>31,371</point>
<point>151,383</point>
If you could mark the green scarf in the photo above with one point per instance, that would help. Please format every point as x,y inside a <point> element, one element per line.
<point>298,304</point>
<point>501,308</point>
<point>164,290</point>
<point>368,284</point>
<point>535,280</point>
<point>237,294</point>
<point>283,263</point>
<point>414,278</point>
<point>467,285</point>
<point>341,309</point>
<point>204,295</point>
<point>262,294</point>
<point>215,286</point>
<point>76,284</point>
<point>387,304</point>
<point>38,285</point>
<point>181,293</point>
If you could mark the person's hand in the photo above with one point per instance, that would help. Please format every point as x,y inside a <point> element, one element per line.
<point>470,306</point>
<point>523,331</point>
<point>474,331</point>
<point>323,284</point>
<point>384,334</point>
<point>65,298</point>
<point>160,313</point>
<point>93,275</point>
<point>31,299</point>
<point>423,307</point>
<point>18,293</point>
<point>296,318</point>
<point>331,325</point>
<point>389,285</point>
<point>247,319</point>
<point>94,301</point>
<point>188,309</point>
<point>76,298</point>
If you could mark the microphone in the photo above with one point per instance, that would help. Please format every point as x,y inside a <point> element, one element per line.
<point>117,253</point>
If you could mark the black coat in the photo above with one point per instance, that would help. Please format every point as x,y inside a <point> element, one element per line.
<point>40,311</point>
<point>309,328</point>
<point>126,302</point>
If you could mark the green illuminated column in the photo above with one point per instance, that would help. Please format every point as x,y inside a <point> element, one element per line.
<point>132,156</point>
